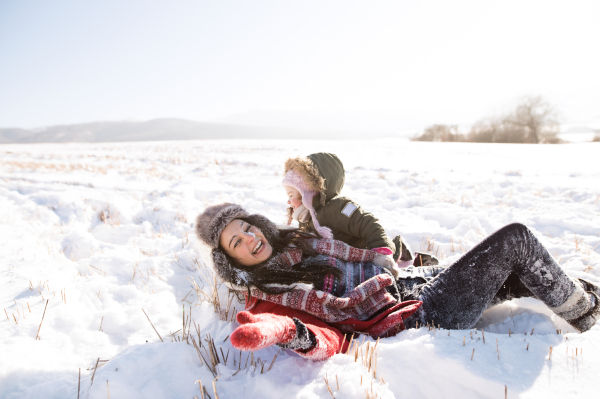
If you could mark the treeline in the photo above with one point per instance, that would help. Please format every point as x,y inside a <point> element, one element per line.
<point>533,120</point>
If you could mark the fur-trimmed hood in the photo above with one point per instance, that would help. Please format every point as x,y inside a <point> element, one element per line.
<point>322,172</point>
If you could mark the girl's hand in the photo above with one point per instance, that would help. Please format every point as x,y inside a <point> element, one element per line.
<point>386,261</point>
<point>262,330</point>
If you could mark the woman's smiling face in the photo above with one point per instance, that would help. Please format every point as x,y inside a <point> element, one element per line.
<point>245,243</point>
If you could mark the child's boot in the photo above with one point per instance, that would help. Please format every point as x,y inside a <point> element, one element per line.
<point>425,260</point>
<point>402,252</point>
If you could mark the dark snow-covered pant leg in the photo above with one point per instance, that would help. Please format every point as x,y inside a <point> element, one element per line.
<point>458,296</point>
<point>412,277</point>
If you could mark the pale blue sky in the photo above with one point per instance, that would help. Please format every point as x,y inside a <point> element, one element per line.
<point>419,62</point>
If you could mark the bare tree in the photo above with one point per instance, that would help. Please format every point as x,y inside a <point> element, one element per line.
<point>440,133</point>
<point>537,118</point>
<point>533,120</point>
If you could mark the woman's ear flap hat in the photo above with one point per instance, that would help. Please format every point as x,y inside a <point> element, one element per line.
<point>294,179</point>
<point>211,223</point>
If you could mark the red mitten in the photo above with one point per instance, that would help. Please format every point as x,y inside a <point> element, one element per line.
<point>262,330</point>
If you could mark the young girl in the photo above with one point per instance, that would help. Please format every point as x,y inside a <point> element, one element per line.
<point>304,293</point>
<point>313,185</point>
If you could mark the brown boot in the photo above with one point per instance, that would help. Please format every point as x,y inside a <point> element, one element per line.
<point>425,260</point>
<point>402,252</point>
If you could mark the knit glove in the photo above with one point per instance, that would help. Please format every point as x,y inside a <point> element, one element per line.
<point>262,330</point>
<point>301,214</point>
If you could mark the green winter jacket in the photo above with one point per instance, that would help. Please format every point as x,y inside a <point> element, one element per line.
<point>324,173</point>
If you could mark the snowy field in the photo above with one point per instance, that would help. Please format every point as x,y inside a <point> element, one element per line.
<point>91,234</point>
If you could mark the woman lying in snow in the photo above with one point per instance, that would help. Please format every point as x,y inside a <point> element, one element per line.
<point>303,293</point>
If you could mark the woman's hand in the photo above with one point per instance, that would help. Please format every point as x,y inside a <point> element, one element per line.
<point>262,330</point>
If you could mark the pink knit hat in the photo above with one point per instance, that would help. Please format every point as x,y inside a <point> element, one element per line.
<point>294,179</point>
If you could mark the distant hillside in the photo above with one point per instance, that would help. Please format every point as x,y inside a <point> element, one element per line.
<point>402,124</point>
<point>157,130</point>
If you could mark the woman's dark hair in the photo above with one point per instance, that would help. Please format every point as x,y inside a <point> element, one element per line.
<point>311,270</point>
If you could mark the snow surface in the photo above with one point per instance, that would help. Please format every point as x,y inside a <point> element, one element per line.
<point>110,226</point>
